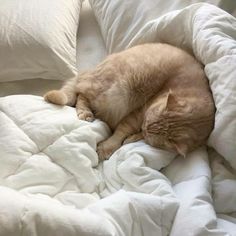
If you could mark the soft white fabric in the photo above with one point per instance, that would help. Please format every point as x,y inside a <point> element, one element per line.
<point>90,51</point>
<point>91,48</point>
<point>38,39</point>
<point>121,20</point>
<point>51,183</point>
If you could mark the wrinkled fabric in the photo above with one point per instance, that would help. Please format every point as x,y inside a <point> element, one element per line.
<point>51,183</point>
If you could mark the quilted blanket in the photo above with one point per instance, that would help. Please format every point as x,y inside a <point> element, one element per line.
<point>51,182</point>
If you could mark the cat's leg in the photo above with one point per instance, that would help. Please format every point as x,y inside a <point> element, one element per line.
<point>133,138</point>
<point>131,124</point>
<point>83,109</point>
<point>65,96</point>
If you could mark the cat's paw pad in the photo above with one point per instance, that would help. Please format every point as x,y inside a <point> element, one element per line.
<point>85,115</point>
<point>56,97</point>
<point>105,150</point>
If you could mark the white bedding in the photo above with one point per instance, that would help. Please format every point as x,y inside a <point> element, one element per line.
<point>38,39</point>
<point>52,184</point>
<point>90,51</point>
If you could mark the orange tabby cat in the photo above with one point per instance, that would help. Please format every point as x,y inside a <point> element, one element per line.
<point>153,91</point>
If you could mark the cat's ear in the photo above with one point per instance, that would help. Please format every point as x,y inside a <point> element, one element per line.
<point>171,101</point>
<point>173,104</point>
<point>181,148</point>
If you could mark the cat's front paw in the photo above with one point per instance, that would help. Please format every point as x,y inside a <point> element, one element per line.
<point>85,115</point>
<point>105,149</point>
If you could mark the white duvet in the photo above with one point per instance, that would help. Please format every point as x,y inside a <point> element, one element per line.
<point>52,184</point>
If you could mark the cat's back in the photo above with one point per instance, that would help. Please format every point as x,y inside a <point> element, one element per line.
<point>154,61</point>
<point>177,69</point>
<point>151,56</point>
<point>131,77</point>
<point>183,74</point>
<point>189,80</point>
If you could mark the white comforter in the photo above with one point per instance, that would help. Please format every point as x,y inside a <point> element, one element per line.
<point>51,182</point>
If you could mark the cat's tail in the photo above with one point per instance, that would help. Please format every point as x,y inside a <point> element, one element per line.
<point>65,96</point>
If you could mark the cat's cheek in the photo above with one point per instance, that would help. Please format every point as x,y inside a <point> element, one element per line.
<point>149,140</point>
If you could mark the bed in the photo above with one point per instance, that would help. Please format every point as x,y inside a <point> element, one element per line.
<point>51,182</point>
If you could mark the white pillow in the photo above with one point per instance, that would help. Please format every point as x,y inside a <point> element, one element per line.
<point>38,39</point>
<point>120,20</point>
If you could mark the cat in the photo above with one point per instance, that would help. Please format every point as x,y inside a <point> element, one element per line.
<point>156,92</point>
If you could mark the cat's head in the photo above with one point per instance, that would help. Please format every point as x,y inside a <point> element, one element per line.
<point>173,124</point>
